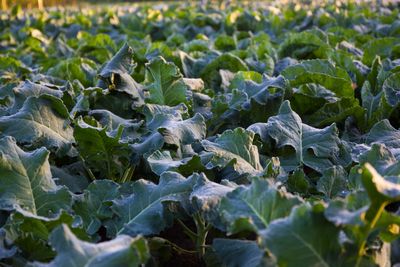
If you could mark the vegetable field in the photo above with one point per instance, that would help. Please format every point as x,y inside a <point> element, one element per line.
<point>220,134</point>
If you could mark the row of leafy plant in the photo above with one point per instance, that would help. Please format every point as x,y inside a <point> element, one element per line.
<point>172,135</point>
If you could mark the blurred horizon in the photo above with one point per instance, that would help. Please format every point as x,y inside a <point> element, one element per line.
<point>32,4</point>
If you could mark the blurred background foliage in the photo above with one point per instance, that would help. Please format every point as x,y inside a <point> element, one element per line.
<point>6,4</point>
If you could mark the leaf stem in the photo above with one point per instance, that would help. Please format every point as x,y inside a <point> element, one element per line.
<point>192,235</point>
<point>367,232</point>
<point>202,231</point>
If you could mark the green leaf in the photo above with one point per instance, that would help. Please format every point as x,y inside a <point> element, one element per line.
<point>115,76</point>
<point>161,161</point>
<point>26,183</point>
<point>27,89</point>
<point>381,46</point>
<point>391,87</point>
<point>27,230</point>
<point>165,83</point>
<point>254,207</point>
<point>78,68</point>
<point>113,123</point>
<point>315,148</point>
<point>304,45</point>
<point>305,238</point>
<point>210,74</point>
<point>122,251</point>
<point>384,133</point>
<point>143,211</point>
<point>234,252</point>
<point>103,153</point>
<point>320,72</point>
<point>181,133</point>
<point>376,107</point>
<point>234,146</point>
<point>206,197</point>
<point>94,205</point>
<point>378,188</point>
<point>42,121</point>
<point>333,182</point>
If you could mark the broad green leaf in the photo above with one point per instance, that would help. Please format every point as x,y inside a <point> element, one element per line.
<point>180,133</point>
<point>380,46</point>
<point>94,205</point>
<point>333,182</point>
<point>143,211</point>
<point>376,107</point>
<point>384,133</point>
<point>391,87</point>
<point>112,122</point>
<point>254,207</point>
<point>103,153</point>
<point>42,121</point>
<point>161,161</point>
<point>235,252</point>
<point>82,69</point>
<point>210,74</point>
<point>315,148</point>
<point>206,197</point>
<point>305,238</point>
<point>12,69</point>
<point>27,89</point>
<point>115,76</point>
<point>26,183</point>
<point>382,159</point>
<point>121,251</point>
<point>165,83</point>
<point>304,45</point>
<point>378,188</point>
<point>234,146</point>
<point>320,72</point>
<point>27,230</point>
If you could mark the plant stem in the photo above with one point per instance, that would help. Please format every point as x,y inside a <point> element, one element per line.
<point>127,176</point>
<point>192,235</point>
<point>368,229</point>
<point>202,231</point>
<point>90,173</point>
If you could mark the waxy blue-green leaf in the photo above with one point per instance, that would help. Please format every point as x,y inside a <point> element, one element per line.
<point>320,72</point>
<point>121,251</point>
<point>143,211</point>
<point>27,89</point>
<point>315,148</point>
<point>384,133</point>
<point>42,121</point>
<point>333,182</point>
<point>254,207</point>
<point>94,205</point>
<point>161,161</point>
<point>236,147</point>
<point>235,252</point>
<point>180,133</point>
<point>305,238</point>
<point>112,122</point>
<point>26,183</point>
<point>115,76</point>
<point>27,230</point>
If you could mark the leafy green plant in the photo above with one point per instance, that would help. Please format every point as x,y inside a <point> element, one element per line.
<point>194,135</point>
